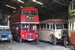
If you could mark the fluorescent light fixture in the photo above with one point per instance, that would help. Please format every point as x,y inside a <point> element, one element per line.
<point>20,1</point>
<point>21,6</point>
<point>10,6</point>
<point>38,2</point>
<point>13,11</point>
<point>34,0</point>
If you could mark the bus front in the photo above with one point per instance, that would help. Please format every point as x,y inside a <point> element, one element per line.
<point>58,29</point>
<point>29,27</point>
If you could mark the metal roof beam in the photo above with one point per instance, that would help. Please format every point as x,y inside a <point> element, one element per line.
<point>59,13</point>
<point>59,3</point>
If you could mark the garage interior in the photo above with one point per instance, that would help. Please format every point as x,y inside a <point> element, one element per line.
<point>48,9</point>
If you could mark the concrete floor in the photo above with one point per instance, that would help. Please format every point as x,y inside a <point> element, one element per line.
<point>31,46</point>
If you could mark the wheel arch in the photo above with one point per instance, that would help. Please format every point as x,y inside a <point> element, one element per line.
<point>53,36</point>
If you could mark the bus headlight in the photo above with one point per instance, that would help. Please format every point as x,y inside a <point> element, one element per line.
<point>36,35</point>
<point>10,36</point>
<point>22,35</point>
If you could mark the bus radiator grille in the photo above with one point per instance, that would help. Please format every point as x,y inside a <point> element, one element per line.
<point>30,36</point>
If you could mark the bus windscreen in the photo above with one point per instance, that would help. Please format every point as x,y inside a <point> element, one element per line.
<point>59,26</point>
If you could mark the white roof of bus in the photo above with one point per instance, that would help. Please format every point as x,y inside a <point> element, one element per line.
<point>51,20</point>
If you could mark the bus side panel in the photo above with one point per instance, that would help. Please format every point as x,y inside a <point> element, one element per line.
<point>47,34</point>
<point>72,38</point>
<point>39,31</point>
<point>14,20</point>
<point>44,34</point>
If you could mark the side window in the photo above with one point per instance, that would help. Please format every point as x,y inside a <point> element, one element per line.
<point>71,7</point>
<point>16,13</point>
<point>74,6</point>
<point>70,26</point>
<point>73,26</point>
<point>19,12</point>
<point>19,26</point>
<point>44,25</point>
<point>47,26</point>
<point>38,26</point>
<point>51,26</point>
<point>41,25</point>
<point>66,26</point>
<point>16,27</point>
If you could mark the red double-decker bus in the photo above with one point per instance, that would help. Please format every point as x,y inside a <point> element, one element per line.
<point>23,24</point>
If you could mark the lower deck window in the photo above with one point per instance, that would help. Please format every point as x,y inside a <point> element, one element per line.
<point>25,26</point>
<point>32,27</point>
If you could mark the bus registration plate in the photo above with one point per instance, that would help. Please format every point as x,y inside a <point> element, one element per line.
<point>30,39</point>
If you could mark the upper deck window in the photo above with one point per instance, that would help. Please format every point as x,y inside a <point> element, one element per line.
<point>73,5</point>
<point>25,12</point>
<point>33,12</point>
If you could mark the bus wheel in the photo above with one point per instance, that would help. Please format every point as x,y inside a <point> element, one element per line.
<point>66,42</point>
<point>37,40</point>
<point>19,39</point>
<point>53,41</point>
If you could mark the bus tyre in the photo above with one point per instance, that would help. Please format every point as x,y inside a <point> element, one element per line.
<point>10,41</point>
<point>53,41</point>
<point>50,39</point>
<point>37,40</point>
<point>19,39</point>
<point>66,42</point>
